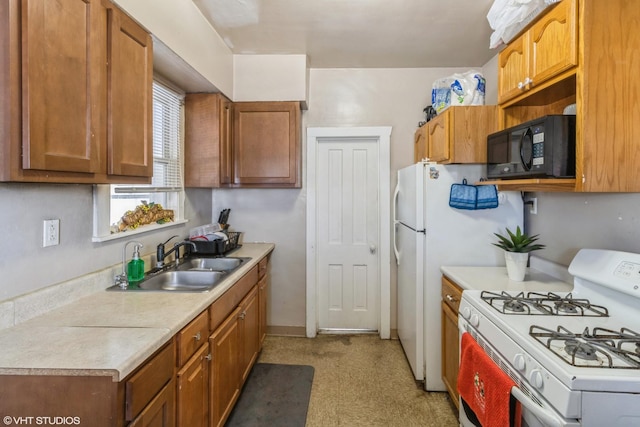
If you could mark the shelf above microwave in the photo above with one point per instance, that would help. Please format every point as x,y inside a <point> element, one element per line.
<point>534,184</point>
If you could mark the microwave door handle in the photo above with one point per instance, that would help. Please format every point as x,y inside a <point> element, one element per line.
<point>545,416</point>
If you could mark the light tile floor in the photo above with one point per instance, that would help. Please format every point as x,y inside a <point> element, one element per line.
<point>360,381</point>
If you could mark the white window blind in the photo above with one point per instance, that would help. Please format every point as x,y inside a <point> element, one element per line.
<point>167,114</point>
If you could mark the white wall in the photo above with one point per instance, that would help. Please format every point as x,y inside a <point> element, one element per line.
<point>26,266</point>
<point>568,222</point>
<point>182,28</point>
<point>337,97</point>
<point>270,78</point>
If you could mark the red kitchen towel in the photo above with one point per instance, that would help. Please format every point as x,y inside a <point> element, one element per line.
<point>484,387</point>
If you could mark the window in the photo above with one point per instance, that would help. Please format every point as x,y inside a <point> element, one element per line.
<point>166,188</point>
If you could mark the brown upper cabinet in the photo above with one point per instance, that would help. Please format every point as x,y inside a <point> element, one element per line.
<point>420,148</point>
<point>207,140</point>
<point>266,144</point>
<point>130,92</point>
<point>604,89</point>
<point>548,48</point>
<point>458,134</point>
<point>75,93</point>
<point>241,144</point>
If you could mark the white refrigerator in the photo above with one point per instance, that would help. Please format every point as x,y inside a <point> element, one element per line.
<point>428,234</point>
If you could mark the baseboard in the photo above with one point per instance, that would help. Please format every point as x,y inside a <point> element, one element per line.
<point>288,331</point>
<point>300,331</point>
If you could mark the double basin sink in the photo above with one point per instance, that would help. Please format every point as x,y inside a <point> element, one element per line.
<point>192,275</point>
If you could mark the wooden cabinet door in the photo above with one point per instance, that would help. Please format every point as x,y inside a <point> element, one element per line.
<point>450,351</point>
<point>266,144</point>
<point>263,292</point>
<point>208,161</point>
<point>554,42</point>
<point>224,378</point>
<point>161,410</point>
<point>249,327</point>
<point>420,145</point>
<point>438,133</point>
<point>63,81</point>
<point>130,111</point>
<point>513,66</point>
<point>192,408</point>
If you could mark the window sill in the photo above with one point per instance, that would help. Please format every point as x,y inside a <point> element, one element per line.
<point>139,230</point>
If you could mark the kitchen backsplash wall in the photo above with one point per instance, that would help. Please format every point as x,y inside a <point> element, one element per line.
<point>568,222</point>
<point>26,266</point>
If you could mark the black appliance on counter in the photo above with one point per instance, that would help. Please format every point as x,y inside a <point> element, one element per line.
<point>544,147</point>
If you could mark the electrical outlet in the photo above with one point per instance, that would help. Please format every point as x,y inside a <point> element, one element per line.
<point>50,232</point>
<point>533,209</point>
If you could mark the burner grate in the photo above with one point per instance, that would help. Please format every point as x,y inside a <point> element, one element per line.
<point>549,304</point>
<point>601,348</point>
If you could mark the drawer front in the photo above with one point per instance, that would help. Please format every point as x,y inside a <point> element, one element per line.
<point>224,305</point>
<point>262,267</point>
<point>142,386</point>
<point>192,336</point>
<point>451,294</point>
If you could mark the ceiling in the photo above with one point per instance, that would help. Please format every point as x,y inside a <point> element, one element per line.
<point>357,33</point>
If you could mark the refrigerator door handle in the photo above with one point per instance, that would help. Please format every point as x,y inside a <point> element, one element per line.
<point>395,221</point>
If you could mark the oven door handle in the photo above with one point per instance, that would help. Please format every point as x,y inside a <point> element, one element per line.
<point>547,418</point>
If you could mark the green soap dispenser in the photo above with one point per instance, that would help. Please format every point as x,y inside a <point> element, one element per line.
<point>135,268</point>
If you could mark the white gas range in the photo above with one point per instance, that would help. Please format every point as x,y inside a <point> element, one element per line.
<point>575,357</point>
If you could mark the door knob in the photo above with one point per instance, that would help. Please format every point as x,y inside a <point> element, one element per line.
<point>372,249</point>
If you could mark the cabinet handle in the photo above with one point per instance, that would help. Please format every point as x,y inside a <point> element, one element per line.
<point>450,298</point>
<point>242,315</point>
<point>197,336</point>
<point>520,85</point>
<point>528,81</point>
<point>208,357</point>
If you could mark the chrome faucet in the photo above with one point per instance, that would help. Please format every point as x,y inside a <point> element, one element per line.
<point>122,278</point>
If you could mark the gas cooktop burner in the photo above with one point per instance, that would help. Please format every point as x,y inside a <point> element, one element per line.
<point>514,305</point>
<point>600,348</point>
<point>580,350</point>
<point>535,303</point>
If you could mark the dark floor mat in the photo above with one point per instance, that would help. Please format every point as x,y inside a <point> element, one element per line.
<point>274,395</point>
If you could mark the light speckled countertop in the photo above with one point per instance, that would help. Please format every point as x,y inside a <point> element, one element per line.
<point>496,279</point>
<point>109,333</point>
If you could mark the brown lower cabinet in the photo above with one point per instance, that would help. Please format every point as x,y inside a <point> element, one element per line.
<point>160,411</point>
<point>451,295</point>
<point>224,382</point>
<point>194,380</point>
<point>192,405</point>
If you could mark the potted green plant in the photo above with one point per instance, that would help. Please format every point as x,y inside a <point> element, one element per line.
<point>517,247</point>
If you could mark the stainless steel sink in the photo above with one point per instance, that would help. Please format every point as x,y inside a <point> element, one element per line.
<point>193,275</point>
<point>183,281</point>
<point>212,264</point>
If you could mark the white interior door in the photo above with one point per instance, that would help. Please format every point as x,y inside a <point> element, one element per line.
<point>347,239</point>
<point>348,230</point>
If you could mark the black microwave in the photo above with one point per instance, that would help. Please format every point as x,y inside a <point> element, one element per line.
<point>544,147</point>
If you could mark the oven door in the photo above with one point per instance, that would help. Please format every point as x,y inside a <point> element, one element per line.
<point>533,415</point>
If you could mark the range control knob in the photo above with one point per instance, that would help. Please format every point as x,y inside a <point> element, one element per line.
<point>518,362</point>
<point>475,320</point>
<point>466,312</point>
<point>536,378</point>
<point>506,169</point>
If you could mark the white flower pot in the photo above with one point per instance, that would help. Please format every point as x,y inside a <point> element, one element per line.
<point>516,264</point>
